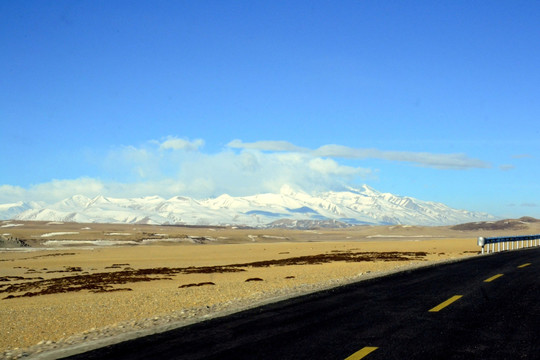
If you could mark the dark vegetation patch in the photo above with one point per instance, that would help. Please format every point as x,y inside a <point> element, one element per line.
<point>104,281</point>
<point>347,256</point>
<point>67,269</point>
<point>112,290</point>
<point>254,279</point>
<point>198,284</point>
<point>9,278</point>
<point>15,278</point>
<point>52,255</point>
<point>200,239</point>
<point>116,266</point>
<point>290,277</point>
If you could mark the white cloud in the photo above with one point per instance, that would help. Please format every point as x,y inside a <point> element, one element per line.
<point>253,171</point>
<point>57,190</point>
<point>176,166</point>
<point>248,171</point>
<point>149,171</point>
<point>11,194</point>
<point>174,143</point>
<point>126,162</point>
<point>331,167</point>
<point>522,156</point>
<point>51,191</point>
<point>266,146</point>
<point>431,160</point>
<point>506,167</point>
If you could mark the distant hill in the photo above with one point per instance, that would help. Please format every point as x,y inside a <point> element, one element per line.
<point>508,224</point>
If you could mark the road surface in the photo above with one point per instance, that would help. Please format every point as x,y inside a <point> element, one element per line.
<point>485,307</point>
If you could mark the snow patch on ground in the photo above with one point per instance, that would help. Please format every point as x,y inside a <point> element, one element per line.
<point>64,243</point>
<point>171,240</point>
<point>274,237</point>
<point>60,233</point>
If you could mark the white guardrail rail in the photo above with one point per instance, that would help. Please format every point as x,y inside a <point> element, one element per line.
<point>505,241</point>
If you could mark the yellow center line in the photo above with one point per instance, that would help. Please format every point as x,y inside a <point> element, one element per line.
<point>522,266</point>
<point>362,353</point>
<point>446,303</point>
<point>493,278</point>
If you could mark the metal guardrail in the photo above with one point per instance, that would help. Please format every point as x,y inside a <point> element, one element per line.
<point>526,242</point>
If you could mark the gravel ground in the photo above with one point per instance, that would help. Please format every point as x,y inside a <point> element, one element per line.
<point>51,326</point>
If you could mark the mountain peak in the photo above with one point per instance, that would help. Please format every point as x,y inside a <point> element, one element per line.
<point>286,190</point>
<point>76,200</point>
<point>366,189</point>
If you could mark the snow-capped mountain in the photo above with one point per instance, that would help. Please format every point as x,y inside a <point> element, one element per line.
<point>7,211</point>
<point>353,207</point>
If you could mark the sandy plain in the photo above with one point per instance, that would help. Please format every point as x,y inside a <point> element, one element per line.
<point>66,285</point>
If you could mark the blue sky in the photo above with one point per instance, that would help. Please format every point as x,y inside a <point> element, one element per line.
<point>438,100</point>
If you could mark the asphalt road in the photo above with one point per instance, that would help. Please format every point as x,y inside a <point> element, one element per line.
<point>481,308</point>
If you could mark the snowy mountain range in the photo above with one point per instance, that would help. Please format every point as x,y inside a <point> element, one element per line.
<point>289,208</point>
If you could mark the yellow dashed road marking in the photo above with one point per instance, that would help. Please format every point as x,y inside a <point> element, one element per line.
<point>360,354</point>
<point>446,303</point>
<point>522,266</point>
<point>493,278</point>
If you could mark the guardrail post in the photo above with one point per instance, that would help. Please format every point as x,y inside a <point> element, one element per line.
<point>481,242</point>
